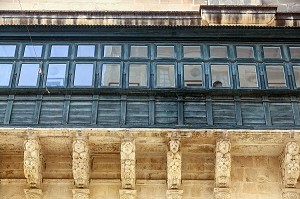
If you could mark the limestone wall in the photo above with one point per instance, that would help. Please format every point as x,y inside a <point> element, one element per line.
<point>140,5</point>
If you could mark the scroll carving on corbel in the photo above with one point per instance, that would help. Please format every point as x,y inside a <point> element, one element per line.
<point>33,194</point>
<point>81,193</point>
<point>174,164</point>
<point>127,194</point>
<point>128,164</point>
<point>33,162</point>
<point>290,195</point>
<point>222,193</point>
<point>223,164</point>
<point>174,194</point>
<point>81,162</point>
<point>290,164</point>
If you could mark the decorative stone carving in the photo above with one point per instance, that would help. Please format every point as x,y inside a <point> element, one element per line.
<point>222,193</point>
<point>174,194</point>
<point>174,164</point>
<point>81,193</point>
<point>290,164</point>
<point>290,195</point>
<point>33,193</point>
<point>223,163</point>
<point>128,164</point>
<point>33,162</point>
<point>81,162</point>
<point>127,194</point>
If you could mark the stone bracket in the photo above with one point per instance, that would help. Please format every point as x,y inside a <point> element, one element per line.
<point>81,162</point>
<point>128,164</point>
<point>290,164</point>
<point>33,162</point>
<point>223,164</point>
<point>174,161</point>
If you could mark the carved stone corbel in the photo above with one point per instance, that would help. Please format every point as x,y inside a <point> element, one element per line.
<point>33,193</point>
<point>222,193</point>
<point>81,162</point>
<point>127,194</point>
<point>290,164</point>
<point>174,164</point>
<point>223,164</point>
<point>174,194</point>
<point>33,162</point>
<point>81,193</point>
<point>128,164</point>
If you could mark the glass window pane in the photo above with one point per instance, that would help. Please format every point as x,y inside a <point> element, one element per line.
<point>112,51</point>
<point>247,75</point>
<point>56,75</point>
<point>110,75</point>
<point>165,51</point>
<point>138,75</point>
<point>83,75</point>
<point>244,52</point>
<point>33,51</point>
<point>275,76</point>
<point>295,52</point>
<point>193,76</point>
<point>86,51</point>
<point>5,71</point>
<point>220,75</point>
<point>297,75</point>
<point>139,51</point>
<point>272,52</point>
<point>29,75</point>
<point>218,51</point>
<point>7,50</point>
<point>191,52</point>
<point>59,51</point>
<point>165,76</point>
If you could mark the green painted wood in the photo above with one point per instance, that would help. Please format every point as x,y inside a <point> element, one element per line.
<point>295,109</point>
<point>8,110</point>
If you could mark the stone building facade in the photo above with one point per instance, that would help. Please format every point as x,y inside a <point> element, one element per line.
<point>72,158</point>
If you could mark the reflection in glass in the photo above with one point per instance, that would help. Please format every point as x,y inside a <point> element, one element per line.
<point>297,75</point>
<point>139,51</point>
<point>138,75</point>
<point>220,75</point>
<point>165,76</point>
<point>218,51</point>
<point>59,51</point>
<point>5,71</point>
<point>275,76</point>
<point>191,52</point>
<point>110,75</point>
<point>7,50</point>
<point>272,52</point>
<point>112,51</point>
<point>29,75</point>
<point>165,51</point>
<point>33,51</point>
<point>192,76</point>
<point>244,52</point>
<point>86,51</point>
<point>83,75</point>
<point>295,52</point>
<point>56,75</point>
<point>247,75</point>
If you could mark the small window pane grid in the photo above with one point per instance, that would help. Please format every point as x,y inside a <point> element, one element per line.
<point>149,65</point>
